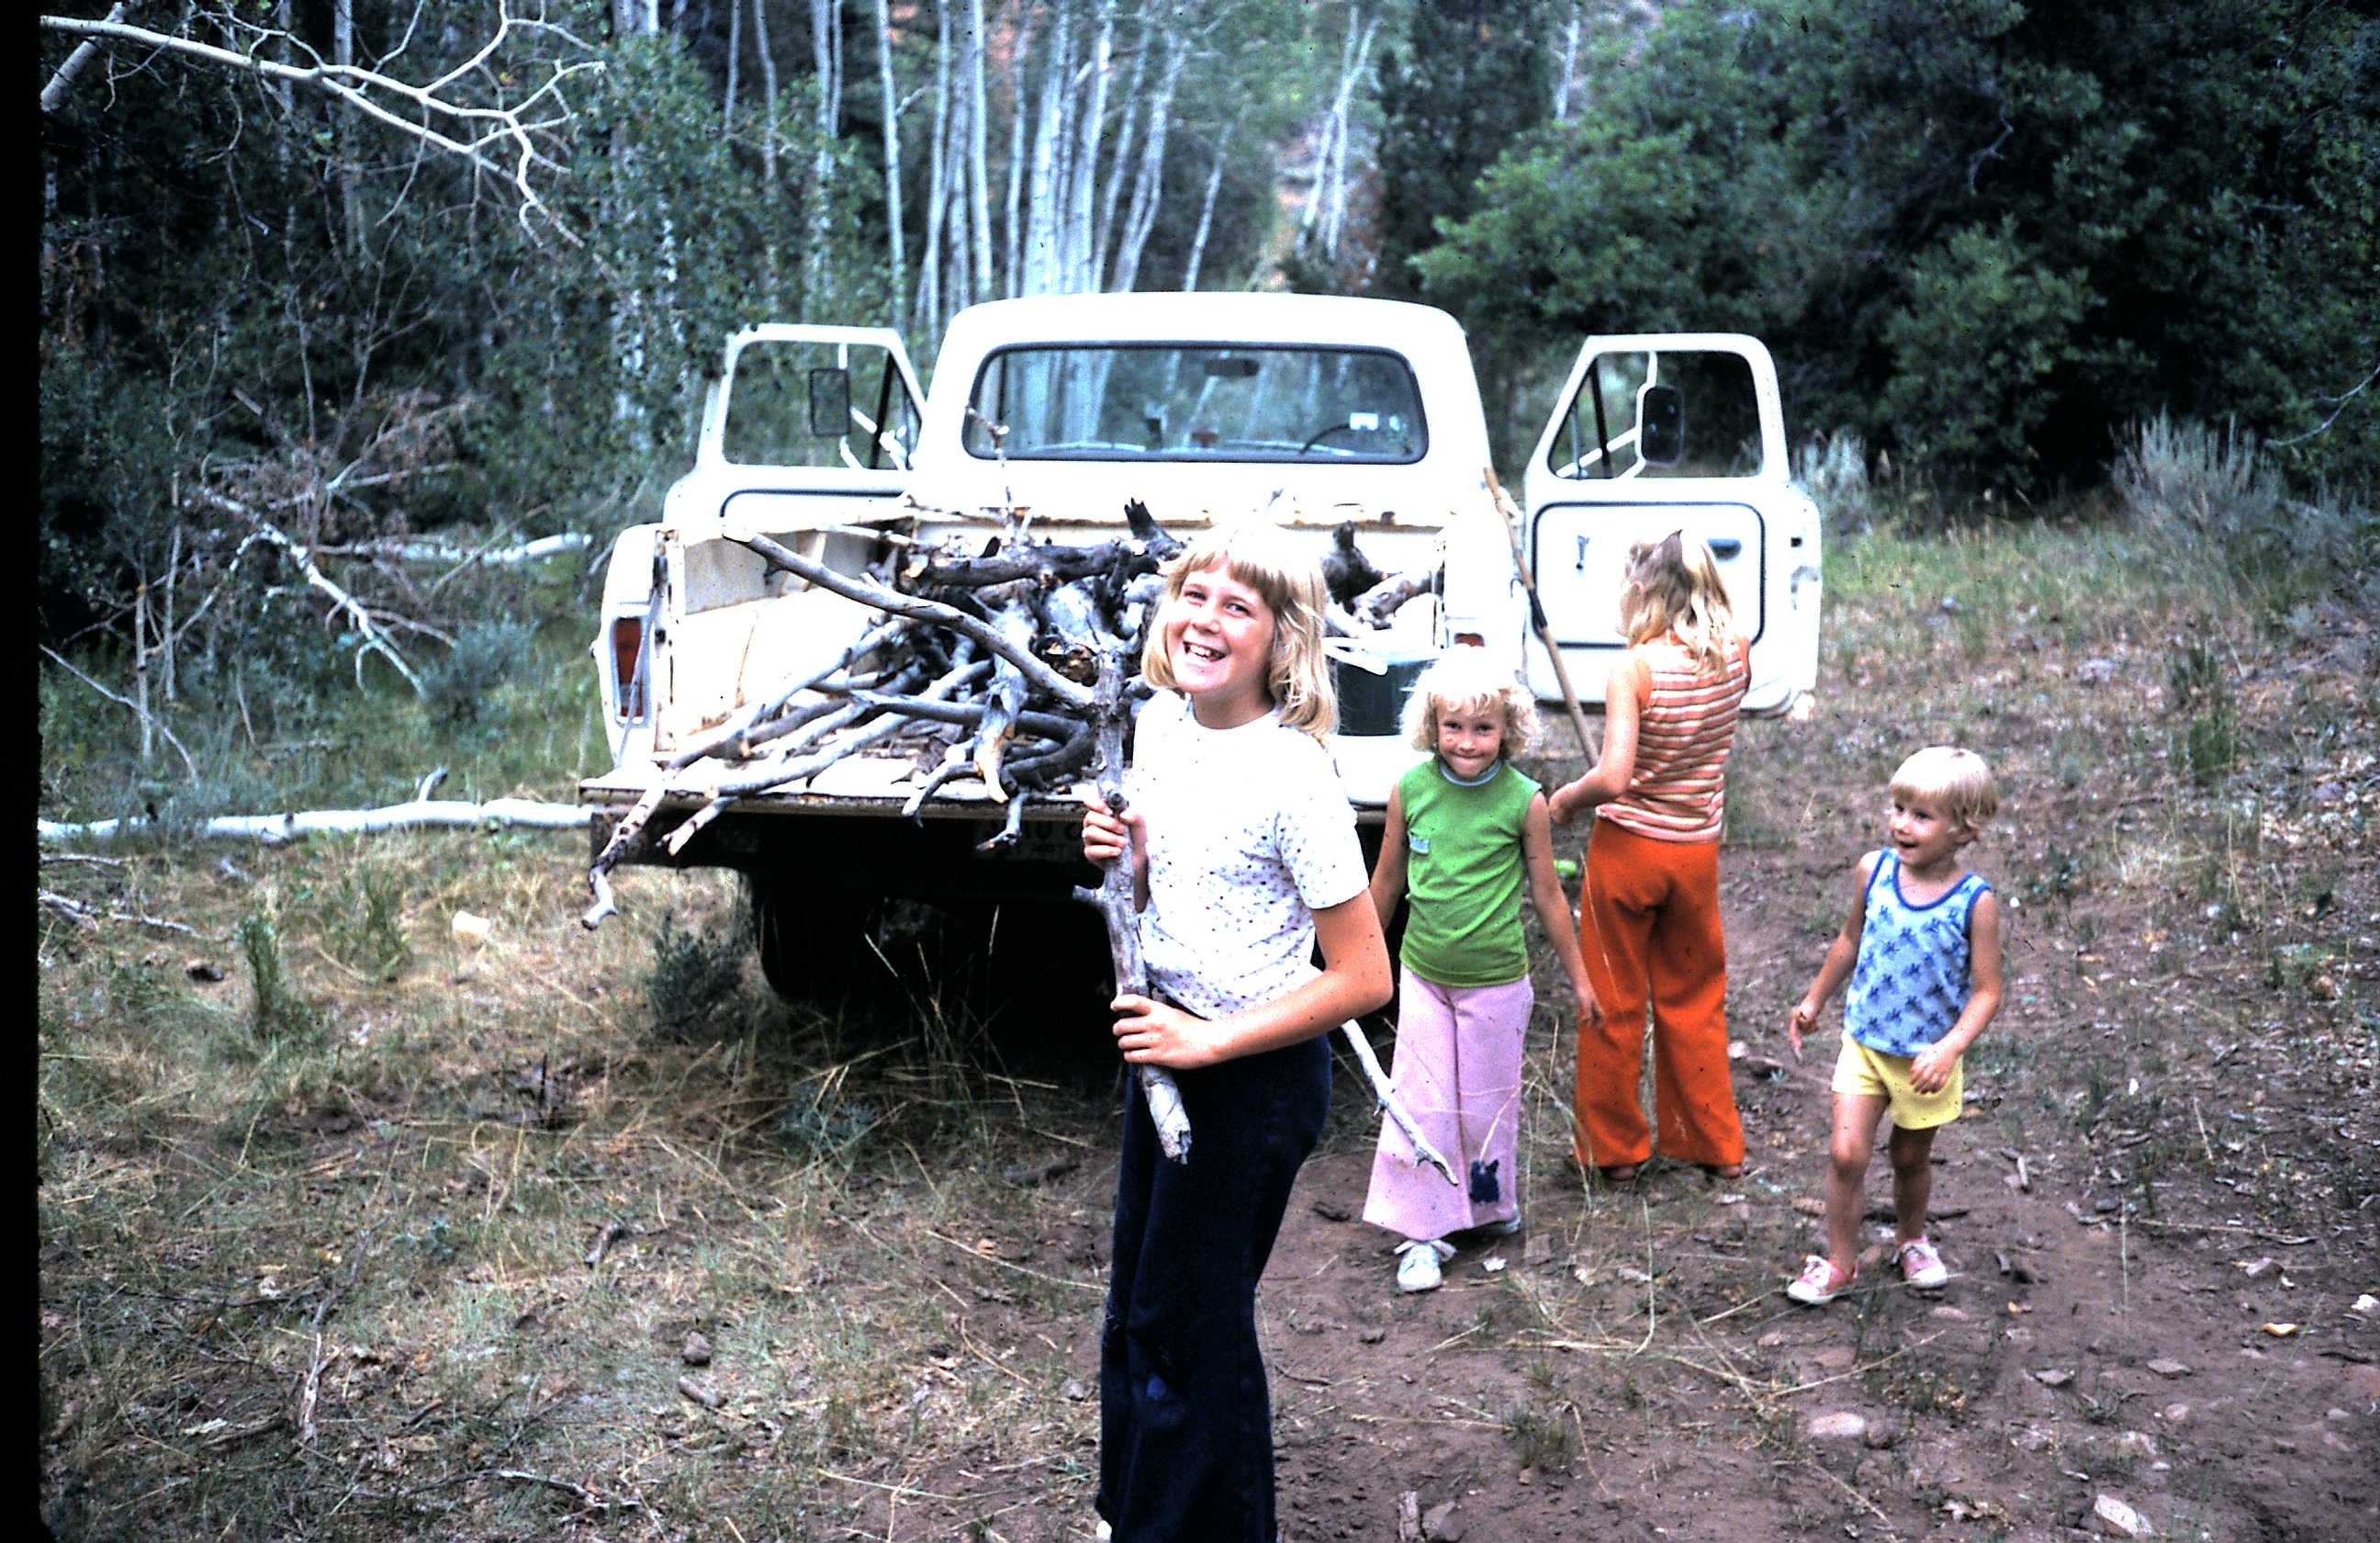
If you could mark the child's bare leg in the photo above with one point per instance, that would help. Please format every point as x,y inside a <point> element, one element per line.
<point>1913,1181</point>
<point>1855,1137</point>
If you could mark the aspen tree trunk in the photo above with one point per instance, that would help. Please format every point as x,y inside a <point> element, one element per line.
<point>1207,206</point>
<point>343,52</point>
<point>978,167</point>
<point>890,96</point>
<point>734,57</point>
<point>1148,186</point>
<point>928,312</point>
<point>826,65</point>
<point>1013,268</point>
<point>1331,183</point>
<point>1569,64</point>
<point>767,93</point>
<point>1082,179</point>
<point>1042,189</point>
<point>1106,241</point>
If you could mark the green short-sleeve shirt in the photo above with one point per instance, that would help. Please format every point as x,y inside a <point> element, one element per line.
<point>1464,875</point>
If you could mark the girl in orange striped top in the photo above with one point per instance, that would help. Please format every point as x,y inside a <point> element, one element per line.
<point>1649,922</point>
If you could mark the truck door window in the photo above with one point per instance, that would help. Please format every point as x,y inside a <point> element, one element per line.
<point>1680,413</point>
<point>1196,402</point>
<point>818,405</point>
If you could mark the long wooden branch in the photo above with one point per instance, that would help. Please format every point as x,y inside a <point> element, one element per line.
<point>274,829</point>
<point>1115,901</point>
<point>1386,1098</point>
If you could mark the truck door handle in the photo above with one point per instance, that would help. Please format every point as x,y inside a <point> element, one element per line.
<point>1726,549</point>
<point>1582,554</point>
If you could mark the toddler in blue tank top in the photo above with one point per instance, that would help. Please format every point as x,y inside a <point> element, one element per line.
<point>1921,950</point>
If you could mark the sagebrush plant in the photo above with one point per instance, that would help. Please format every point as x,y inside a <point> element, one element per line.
<point>1832,468</point>
<point>2213,501</point>
<point>695,973</point>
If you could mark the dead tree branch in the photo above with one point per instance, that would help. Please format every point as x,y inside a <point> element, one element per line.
<point>503,142</point>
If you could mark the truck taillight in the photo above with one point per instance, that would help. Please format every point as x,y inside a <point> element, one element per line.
<point>627,648</point>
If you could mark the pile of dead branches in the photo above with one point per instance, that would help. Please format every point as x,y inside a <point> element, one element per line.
<point>984,666</point>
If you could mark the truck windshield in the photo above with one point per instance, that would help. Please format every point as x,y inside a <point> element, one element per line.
<point>1196,401</point>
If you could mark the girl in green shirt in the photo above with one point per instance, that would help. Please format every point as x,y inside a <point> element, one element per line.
<point>1467,837</point>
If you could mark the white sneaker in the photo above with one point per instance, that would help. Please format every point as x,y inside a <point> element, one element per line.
<point>1922,1266</point>
<point>1417,1262</point>
<point>1505,1228</point>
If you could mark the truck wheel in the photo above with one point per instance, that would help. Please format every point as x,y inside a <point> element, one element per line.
<point>815,941</point>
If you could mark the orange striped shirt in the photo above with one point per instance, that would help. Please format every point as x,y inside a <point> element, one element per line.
<point>1684,730</point>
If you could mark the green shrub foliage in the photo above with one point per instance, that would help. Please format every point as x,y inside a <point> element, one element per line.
<point>1981,233</point>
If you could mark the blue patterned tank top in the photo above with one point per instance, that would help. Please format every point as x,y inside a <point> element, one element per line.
<point>1911,982</point>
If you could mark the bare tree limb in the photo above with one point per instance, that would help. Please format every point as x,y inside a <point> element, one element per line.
<point>375,641</point>
<point>486,137</point>
<point>187,764</point>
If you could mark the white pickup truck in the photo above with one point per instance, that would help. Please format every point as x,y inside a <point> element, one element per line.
<point>1314,412</point>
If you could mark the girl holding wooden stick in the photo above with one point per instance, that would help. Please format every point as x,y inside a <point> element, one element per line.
<point>1649,916</point>
<point>1245,855</point>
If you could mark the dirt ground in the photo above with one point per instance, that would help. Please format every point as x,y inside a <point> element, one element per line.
<point>453,1286</point>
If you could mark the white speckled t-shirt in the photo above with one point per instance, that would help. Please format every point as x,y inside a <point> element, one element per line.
<point>1249,833</point>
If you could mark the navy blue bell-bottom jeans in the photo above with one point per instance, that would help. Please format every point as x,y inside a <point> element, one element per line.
<point>1185,1418</point>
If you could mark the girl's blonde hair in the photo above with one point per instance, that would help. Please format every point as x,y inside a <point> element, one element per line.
<point>1957,782</point>
<point>1464,679</point>
<point>1288,577</point>
<point>1673,586</point>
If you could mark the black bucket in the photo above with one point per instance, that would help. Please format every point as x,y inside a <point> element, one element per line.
<point>1374,704</point>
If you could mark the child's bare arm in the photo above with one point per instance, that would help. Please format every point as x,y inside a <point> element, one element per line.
<point>1623,696</point>
<point>1841,954</point>
<point>1389,872</point>
<point>1552,901</point>
<point>1930,1071</point>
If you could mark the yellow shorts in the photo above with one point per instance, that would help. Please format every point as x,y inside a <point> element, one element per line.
<point>1860,1070</point>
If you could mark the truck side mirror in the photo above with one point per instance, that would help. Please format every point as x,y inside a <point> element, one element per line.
<point>830,402</point>
<point>1662,425</point>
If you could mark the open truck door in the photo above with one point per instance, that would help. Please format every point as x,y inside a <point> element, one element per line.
<point>1655,433</point>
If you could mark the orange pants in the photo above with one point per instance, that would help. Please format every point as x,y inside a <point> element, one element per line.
<point>1649,927</point>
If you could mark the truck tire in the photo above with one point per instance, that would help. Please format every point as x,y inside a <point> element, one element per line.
<point>817,941</point>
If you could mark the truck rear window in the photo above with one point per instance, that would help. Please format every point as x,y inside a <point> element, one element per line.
<point>1196,402</point>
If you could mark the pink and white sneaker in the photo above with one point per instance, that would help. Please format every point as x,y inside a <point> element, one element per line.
<point>1818,1285</point>
<point>1922,1266</point>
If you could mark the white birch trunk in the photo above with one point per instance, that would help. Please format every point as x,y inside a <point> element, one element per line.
<point>978,154</point>
<point>1148,186</point>
<point>895,235</point>
<point>929,312</point>
<point>1207,206</point>
<point>1082,178</point>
